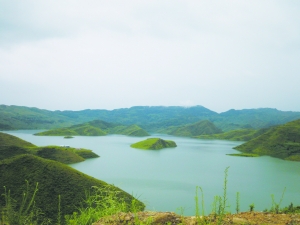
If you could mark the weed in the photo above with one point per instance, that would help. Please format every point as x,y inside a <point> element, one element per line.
<point>237,208</point>
<point>101,202</point>
<point>275,206</point>
<point>27,213</point>
<point>251,207</point>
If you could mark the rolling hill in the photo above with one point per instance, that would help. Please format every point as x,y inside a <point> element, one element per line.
<point>54,179</point>
<point>12,146</point>
<point>204,127</point>
<point>96,128</point>
<point>235,135</point>
<point>282,141</point>
<point>150,118</point>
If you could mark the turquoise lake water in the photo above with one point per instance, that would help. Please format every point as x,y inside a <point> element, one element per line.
<point>166,180</point>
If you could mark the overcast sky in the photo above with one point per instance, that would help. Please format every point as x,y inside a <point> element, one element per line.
<point>74,55</point>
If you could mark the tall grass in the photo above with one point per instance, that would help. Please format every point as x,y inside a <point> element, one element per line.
<point>219,205</point>
<point>24,213</point>
<point>101,202</point>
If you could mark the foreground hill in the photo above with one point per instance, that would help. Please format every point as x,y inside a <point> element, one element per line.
<point>54,179</point>
<point>154,144</point>
<point>281,141</point>
<point>96,128</point>
<point>204,127</point>
<point>12,146</point>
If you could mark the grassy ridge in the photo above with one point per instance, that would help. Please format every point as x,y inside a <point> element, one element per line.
<point>204,127</point>
<point>236,135</point>
<point>96,128</point>
<point>9,140</point>
<point>282,141</point>
<point>12,146</point>
<point>154,144</point>
<point>53,179</point>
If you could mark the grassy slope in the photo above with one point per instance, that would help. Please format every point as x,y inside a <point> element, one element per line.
<point>53,179</point>
<point>236,135</point>
<point>96,128</point>
<point>282,141</point>
<point>132,130</point>
<point>11,146</point>
<point>191,130</point>
<point>154,144</point>
<point>9,140</point>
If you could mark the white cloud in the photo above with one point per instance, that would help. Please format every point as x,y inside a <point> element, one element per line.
<point>112,54</point>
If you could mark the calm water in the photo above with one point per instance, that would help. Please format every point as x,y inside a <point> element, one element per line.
<point>165,180</point>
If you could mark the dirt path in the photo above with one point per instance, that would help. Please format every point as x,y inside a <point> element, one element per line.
<point>169,218</point>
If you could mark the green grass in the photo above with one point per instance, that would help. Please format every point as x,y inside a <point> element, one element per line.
<point>110,204</point>
<point>154,144</point>
<point>10,140</point>
<point>54,179</point>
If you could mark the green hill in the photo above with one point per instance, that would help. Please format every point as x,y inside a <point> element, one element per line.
<point>96,128</point>
<point>203,127</point>
<point>154,144</point>
<point>236,135</point>
<point>12,146</point>
<point>281,141</point>
<point>53,179</point>
<point>151,118</point>
<point>10,140</point>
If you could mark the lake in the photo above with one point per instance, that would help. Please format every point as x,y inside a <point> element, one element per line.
<point>166,180</point>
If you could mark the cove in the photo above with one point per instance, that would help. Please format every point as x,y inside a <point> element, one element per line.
<point>165,180</point>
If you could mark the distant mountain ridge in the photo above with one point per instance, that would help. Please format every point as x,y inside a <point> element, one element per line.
<point>150,118</point>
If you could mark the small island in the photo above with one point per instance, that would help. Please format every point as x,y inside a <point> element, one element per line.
<point>154,144</point>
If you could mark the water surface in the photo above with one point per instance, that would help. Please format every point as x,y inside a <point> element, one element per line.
<point>166,179</point>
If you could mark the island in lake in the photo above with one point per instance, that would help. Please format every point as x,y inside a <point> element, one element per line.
<point>154,144</point>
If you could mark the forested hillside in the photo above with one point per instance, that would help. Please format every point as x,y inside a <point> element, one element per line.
<point>150,118</point>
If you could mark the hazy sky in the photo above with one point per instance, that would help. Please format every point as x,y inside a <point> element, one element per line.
<point>72,54</point>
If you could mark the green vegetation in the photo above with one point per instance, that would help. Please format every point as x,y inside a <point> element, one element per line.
<point>132,130</point>
<point>12,146</point>
<point>107,204</point>
<point>96,128</point>
<point>244,154</point>
<point>152,119</point>
<point>54,179</point>
<point>236,135</point>
<point>154,144</point>
<point>281,141</point>
<point>10,140</point>
<point>204,127</point>
<point>68,137</point>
